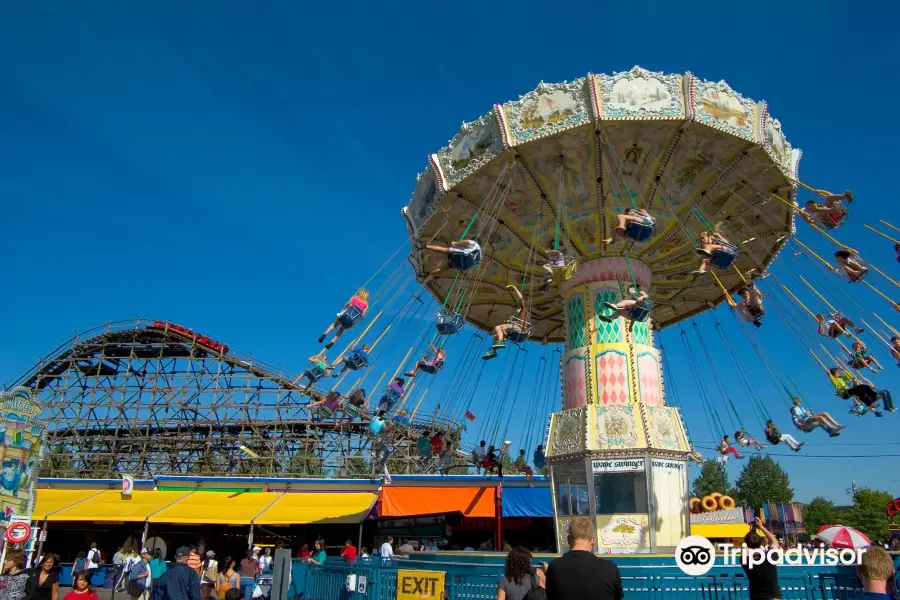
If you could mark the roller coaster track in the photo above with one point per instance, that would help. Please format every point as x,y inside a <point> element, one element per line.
<point>143,398</point>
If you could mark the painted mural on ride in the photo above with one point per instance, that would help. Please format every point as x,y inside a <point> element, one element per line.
<point>22,440</point>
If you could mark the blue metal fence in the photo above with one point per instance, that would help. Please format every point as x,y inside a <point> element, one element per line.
<point>479,582</point>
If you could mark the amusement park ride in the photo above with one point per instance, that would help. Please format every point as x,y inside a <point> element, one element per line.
<point>590,213</point>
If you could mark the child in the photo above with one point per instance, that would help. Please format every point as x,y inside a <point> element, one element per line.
<point>725,448</point>
<point>639,299</point>
<point>626,221</point>
<point>850,264</point>
<point>861,358</point>
<point>317,370</point>
<point>750,307</point>
<point>328,405</point>
<point>711,243</point>
<point>359,303</point>
<point>522,467</point>
<point>462,255</point>
<point>392,394</point>
<point>746,440</point>
<point>357,358</point>
<point>695,456</point>
<point>835,325</point>
<point>518,323</point>
<point>775,437</point>
<point>830,213</point>
<point>429,365</point>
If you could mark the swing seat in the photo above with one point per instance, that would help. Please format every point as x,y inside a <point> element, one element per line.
<point>390,396</point>
<point>463,259</point>
<point>565,272</point>
<point>357,360</point>
<point>315,372</point>
<point>324,412</point>
<point>353,411</point>
<point>858,278</point>
<point>808,425</point>
<point>640,311</point>
<point>350,316</point>
<point>520,331</point>
<point>431,369</point>
<point>723,259</point>
<point>835,219</point>
<point>448,324</point>
<point>641,231</point>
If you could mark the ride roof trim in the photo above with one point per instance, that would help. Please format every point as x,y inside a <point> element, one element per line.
<point>677,143</point>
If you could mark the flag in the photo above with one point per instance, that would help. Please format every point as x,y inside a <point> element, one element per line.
<point>470,416</point>
<point>127,485</point>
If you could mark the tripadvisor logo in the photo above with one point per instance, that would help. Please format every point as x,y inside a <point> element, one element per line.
<point>695,555</point>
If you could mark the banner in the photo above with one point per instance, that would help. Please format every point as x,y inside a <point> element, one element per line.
<point>21,447</point>
<point>127,485</point>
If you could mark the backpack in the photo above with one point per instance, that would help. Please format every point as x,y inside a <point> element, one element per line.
<point>536,592</point>
<point>134,589</point>
<point>211,574</point>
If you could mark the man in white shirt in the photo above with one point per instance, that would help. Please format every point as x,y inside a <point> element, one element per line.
<point>386,550</point>
<point>92,562</point>
<point>478,455</point>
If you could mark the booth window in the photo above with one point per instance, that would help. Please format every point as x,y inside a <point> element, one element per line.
<point>620,493</point>
<point>571,491</point>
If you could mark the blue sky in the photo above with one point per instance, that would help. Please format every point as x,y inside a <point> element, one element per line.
<point>240,167</point>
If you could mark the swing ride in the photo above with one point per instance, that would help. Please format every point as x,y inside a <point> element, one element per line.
<point>614,185</point>
<point>567,229</point>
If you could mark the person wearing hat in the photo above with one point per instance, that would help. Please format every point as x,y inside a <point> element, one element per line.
<point>179,582</point>
<point>139,578</point>
<point>210,577</point>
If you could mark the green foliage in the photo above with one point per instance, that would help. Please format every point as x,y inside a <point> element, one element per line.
<point>712,478</point>
<point>867,514</point>
<point>357,466</point>
<point>817,513</point>
<point>763,480</point>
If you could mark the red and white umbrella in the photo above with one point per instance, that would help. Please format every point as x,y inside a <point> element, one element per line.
<point>839,536</point>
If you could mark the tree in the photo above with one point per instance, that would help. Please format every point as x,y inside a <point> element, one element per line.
<point>868,514</point>
<point>817,513</point>
<point>712,478</point>
<point>763,480</point>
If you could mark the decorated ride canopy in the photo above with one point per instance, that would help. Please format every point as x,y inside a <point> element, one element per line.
<point>557,166</point>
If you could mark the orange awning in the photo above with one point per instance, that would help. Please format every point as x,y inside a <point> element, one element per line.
<point>408,501</point>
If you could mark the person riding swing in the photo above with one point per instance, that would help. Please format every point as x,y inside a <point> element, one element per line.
<point>750,307</point>
<point>317,369</point>
<point>775,437</point>
<point>850,265</point>
<point>517,329</point>
<point>716,250</point>
<point>636,308</point>
<point>634,224</point>
<point>830,213</point>
<point>354,360</point>
<point>461,256</point>
<point>352,313</point>
<point>806,421</point>
<point>835,325</point>
<point>431,363</point>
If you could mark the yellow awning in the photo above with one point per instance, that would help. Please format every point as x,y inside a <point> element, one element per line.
<point>721,531</point>
<point>51,500</point>
<point>227,508</point>
<point>113,506</point>
<point>302,508</point>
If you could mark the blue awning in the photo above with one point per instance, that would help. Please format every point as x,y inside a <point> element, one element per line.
<point>527,502</point>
